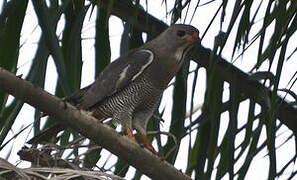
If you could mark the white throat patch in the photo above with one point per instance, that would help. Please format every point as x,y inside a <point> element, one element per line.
<point>179,54</point>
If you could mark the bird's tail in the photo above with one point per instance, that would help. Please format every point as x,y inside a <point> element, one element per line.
<point>47,134</point>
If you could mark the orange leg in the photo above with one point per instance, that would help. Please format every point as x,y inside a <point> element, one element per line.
<point>148,144</point>
<point>131,135</point>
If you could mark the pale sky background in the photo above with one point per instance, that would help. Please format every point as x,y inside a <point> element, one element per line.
<point>259,168</point>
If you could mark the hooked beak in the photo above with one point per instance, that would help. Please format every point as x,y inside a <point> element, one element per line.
<point>192,38</point>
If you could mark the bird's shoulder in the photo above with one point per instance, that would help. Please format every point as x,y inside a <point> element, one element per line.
<point>116,76</point>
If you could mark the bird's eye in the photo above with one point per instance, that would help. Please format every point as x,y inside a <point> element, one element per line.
<point>180,33</point>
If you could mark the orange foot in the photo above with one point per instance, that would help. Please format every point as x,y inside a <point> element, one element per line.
<point>148,144</point>
<point>131,135</point>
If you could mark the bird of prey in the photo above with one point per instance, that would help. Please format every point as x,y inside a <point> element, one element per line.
<point>129,89</point>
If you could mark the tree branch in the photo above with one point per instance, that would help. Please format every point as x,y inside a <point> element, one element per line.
<point>145,22</point>
<point>88,126</point>
<point>250,88</point>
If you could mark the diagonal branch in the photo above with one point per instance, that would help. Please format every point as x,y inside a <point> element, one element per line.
<point>252,89</point>
<point>88,126</point>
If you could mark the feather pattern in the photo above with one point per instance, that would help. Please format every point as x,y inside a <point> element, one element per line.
<point>116,76</point>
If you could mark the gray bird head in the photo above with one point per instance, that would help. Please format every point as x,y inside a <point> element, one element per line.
<point>180,34</point>
<point>177,39</point>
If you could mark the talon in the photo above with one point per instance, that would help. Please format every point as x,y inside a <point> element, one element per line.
<point>130,134</point>
<point>148,144</point>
